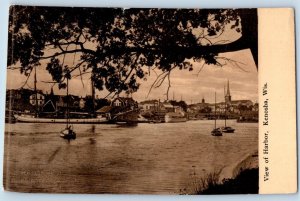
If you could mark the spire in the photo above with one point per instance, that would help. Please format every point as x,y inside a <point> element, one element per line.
<point>228,90</point>
<point>227,95</point>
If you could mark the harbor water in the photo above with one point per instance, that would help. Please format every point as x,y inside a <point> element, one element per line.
<point>160,158</point>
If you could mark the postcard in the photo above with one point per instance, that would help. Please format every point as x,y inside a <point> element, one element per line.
<point>150,101</point>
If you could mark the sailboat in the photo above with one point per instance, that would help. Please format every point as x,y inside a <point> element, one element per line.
<point>227,129</point>
<point>68,133</point>
<point>216,131</point>
<point>38,118</point>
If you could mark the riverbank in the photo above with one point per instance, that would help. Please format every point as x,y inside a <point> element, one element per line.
<point>244,179</point>
<point>250,161</point>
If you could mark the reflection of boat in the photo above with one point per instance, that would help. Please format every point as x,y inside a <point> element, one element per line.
<point>216,131</point>
<point>174,117</point>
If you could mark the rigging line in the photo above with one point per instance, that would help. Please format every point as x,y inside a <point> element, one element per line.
<point>80,73</point>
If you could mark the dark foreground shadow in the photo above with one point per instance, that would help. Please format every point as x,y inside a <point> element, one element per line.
<point>245,183</point>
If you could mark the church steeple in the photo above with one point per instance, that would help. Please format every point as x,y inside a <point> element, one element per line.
<point>228,90</point>
<point>228,96</point>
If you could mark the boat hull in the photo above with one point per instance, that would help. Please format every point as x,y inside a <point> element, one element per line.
<point>31,119</point>
<point>68,134</point>
<point>175,120</point>
<point>216,132</point>
<point>228,130</point>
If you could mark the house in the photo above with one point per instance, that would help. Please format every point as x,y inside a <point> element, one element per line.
<point>148,105</point>
<point>151,105</point>
<point>124,102</point>
<point>71,102</point>
<point>18,99</point>
<point>236,103</point>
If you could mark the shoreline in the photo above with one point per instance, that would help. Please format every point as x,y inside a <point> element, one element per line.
<point>243,178</point>
<point>250,161</point>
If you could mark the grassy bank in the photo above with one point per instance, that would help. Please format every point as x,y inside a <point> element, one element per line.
<point>246,182</point>
<point>243,180</point>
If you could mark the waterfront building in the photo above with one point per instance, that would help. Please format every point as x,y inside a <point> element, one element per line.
<point>37,99</point>
<point>149,105</point>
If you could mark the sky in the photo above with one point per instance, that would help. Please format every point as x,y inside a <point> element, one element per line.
<point>193,86</point>
<point>189,86</point>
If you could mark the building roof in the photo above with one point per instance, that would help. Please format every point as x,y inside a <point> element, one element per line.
<point>149,102</point>
<point>124,99</point>
<point>105,109</point>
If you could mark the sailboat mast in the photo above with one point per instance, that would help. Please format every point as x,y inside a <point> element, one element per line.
<point>67,102</point>
<point>215,110</point>
<point>225,116</point>
<point>93,97</point>
<point>225,113</point>
<point>35,91</point>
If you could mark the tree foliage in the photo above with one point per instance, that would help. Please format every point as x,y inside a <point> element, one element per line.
<point>119,47</point>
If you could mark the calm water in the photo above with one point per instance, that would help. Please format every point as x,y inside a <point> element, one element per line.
<point>148,158</point>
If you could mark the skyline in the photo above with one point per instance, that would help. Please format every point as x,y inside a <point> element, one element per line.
<point>192,86</point>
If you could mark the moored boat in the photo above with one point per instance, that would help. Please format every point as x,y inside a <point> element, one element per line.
<point>68,133</point>
<point>27,118</point>
<point>216,132</point>
<point>227,129</point>
<point>173,117</point>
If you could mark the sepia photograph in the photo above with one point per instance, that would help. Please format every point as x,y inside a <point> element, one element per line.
<point>132,101</point>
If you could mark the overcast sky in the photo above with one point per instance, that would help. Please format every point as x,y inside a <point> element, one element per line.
<point>189,85</point>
